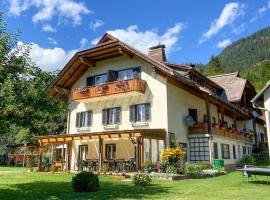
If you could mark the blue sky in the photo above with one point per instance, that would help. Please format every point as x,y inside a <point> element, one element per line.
<point>192,30</point>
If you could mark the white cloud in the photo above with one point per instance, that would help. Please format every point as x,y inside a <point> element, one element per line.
<point>143,40</point>
<point>52,41</point>
<point>47,9</point>
<point>260,12</point>
<point>83,43</point>
<point>49,59</point>
<point>48,28</point>
<point>18,6</point>
<point>229,14</point>
<point>239,29</point>
<point>224,43</point>
<point>96,23</point>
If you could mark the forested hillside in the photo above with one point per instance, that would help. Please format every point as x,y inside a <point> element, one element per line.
<point>247,52</point>
<point>250,56</point>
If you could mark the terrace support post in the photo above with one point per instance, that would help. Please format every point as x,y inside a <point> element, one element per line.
<point>100,154</point>
<point>139,153</point>
<point>69,154</point>
<point>40,152</point>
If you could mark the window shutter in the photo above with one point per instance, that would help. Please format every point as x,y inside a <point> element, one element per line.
<point>104,116</point>
<point>118,113</point>
<point>89,118</point>
<point>90,81</point>
<point>78,119</point>
<point>132,113</point>
<point>137,72</point>
<point>147,111</point>
<point>112,76</point>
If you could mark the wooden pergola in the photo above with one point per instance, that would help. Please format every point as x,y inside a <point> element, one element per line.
<point>137,137</point>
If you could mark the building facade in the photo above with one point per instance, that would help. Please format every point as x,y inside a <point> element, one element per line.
<point>126,107</point>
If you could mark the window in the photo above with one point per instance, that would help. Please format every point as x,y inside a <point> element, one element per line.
<point>140,112</point>
<point>215,150</point>
<point>100,79</point>
<point>83,119</point>
<point>244,150</point>
<point>110,151</point>
<point>234,152</point>
<point>193,114</point>
<point>111,116</point>
<point>125,74</point>
<point>225,150</point>
<point>199,149</point>
<point>239,151</point>
<point>129,73</point>
<point>83,152</point>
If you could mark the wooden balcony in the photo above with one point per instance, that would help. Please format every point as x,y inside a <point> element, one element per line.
<point>219,131</point>
<point>107,89</point>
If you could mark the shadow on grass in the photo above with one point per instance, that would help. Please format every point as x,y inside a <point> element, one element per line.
<point>63,190</point>
<point>261,182</point>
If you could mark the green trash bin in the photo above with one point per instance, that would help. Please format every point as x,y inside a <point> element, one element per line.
<point>218,164</point>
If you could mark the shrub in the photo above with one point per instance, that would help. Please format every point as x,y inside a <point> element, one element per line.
<point>172,158</point>
<point>247,160</point>
<point>193,168</point>
<point>148,166</point>
<point>141,179</point>
<point>204,165</point>
<point>85,182</point>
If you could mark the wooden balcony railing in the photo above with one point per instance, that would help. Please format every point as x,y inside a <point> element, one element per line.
<point>112,88</point>
<point>221,131</point>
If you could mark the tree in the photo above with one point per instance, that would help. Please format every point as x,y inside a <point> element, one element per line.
<point>213,67</point>
<point>25,106</point>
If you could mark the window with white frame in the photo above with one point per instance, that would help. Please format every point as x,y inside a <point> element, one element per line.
<point>111,116</point>
<point>140,112</point>
<point>84,119</point>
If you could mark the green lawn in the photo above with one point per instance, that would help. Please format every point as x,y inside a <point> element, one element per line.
<point>23,185</point>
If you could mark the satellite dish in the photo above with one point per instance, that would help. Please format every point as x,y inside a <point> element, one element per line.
<point>189,120</point>
<point>254,114</point>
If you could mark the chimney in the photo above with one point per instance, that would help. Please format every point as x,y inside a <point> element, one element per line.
<point>158,53</point>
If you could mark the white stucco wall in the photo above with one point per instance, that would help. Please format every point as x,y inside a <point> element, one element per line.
<point>239,153</point>
<point>155,95</point>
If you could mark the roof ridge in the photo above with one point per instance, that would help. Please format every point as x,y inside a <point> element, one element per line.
<point>227,74</point>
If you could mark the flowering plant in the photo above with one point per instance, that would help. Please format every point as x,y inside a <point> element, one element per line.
<point>172,158</point>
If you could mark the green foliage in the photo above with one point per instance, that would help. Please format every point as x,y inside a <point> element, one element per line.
<point>195,170</point>
<point>247,52</point>
<point>148,164</point>
<point>247,160</point>
<point>213,67</point>
<point>204,165</point>
<point>141,179</point>
<point>85,182</point>
<point>25,106</point>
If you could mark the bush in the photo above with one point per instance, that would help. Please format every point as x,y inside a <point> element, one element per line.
<point>85,182</point>
<point>141,179</point>
<point>247,160</point>
<point>148,166</point>
<point>172,158</point>
<point>204,165</point>
<point>192,168</point>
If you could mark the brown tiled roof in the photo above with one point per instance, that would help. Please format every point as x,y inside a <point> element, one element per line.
<point>232,83</point>
<point>108,41</point>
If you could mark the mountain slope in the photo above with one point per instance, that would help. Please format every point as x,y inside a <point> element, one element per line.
<point>246,52</point>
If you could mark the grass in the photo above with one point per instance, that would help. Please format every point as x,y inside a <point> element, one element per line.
<point>25,185</point>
